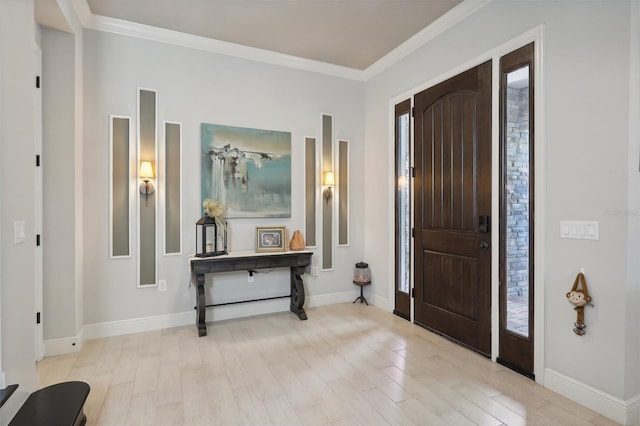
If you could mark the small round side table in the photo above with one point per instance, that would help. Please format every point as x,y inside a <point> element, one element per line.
<point>361,297</point>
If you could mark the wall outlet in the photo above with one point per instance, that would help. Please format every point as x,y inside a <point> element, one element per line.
<point>250,278</point>
<point>314,271</point>
<point>162,285</point>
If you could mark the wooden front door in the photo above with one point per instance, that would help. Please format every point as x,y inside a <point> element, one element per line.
<point>453,207</point>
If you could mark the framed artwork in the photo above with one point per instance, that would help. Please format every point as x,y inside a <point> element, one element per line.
<point>248,170</point>
<point>271,238</point>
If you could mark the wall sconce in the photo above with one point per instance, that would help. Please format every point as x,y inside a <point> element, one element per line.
<point>329,182</point>
<point>146,174</point>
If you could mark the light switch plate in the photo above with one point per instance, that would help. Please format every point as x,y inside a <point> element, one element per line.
<point>579,229</point>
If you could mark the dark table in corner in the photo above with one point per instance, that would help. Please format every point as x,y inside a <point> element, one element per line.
<point>297,261</point>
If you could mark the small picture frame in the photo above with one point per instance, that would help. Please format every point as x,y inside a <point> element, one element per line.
<point>271,238</point>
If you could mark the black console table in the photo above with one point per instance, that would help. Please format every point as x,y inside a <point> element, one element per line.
<point>297,261</point>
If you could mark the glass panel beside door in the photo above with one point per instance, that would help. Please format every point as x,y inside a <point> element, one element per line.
<point>516,333</point>
<point>517,200</point>
<point>403,209</point>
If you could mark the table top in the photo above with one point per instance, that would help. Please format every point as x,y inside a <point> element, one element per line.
<point>248,260</point>
<point>249,253</point>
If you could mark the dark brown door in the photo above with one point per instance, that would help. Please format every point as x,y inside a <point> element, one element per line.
<point>516,210</point>
<point>403,209</point>
<point>452,208</point>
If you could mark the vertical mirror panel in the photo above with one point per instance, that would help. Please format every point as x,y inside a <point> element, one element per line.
<point>172,187</point>
<point>516,174</point>
<point>343,193</point>
<point>119,174</point>
<point>147,140</point>
<point>310,182</point>
<point>327,199</point>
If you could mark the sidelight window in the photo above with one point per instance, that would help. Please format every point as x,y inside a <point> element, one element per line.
<point>403,208</point>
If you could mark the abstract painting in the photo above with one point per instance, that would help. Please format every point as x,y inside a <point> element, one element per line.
<point>248,170</point>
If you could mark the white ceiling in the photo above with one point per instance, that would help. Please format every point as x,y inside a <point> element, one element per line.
<point>349,33</point>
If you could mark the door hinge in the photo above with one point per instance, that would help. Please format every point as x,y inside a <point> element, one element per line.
<point>413,172</point>
<point>37,81</point>
<point>38,240</point>
<point>38,160</point>
<point>413,292</point>
<point>37,317</point>
<point>413,232</point>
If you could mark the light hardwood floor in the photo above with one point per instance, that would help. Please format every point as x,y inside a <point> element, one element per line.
<point>346,365</point>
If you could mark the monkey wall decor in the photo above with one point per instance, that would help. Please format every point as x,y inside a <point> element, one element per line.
<point>579,297</point>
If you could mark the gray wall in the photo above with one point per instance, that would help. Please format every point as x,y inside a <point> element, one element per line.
<point>195,87</point>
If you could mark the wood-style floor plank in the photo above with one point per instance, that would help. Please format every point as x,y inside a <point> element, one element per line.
<point>346,365</point>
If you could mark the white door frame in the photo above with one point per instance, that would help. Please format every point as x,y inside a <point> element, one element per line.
<point>38,205</point>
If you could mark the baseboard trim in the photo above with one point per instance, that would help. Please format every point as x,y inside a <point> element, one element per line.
<point>219,313</point>
<point>382,303</point>
<point>137,325</point>
<point>243,310</point>
<point>330,299</point>
<point>616,409</point>
<point>62,346</point>
<point>633,410</point>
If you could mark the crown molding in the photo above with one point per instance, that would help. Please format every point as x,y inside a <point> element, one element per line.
<point>132,29</point>
<point>440,25</point>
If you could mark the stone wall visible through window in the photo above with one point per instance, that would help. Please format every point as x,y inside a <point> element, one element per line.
<point>518,191</point>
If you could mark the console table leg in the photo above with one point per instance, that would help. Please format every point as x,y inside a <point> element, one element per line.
<point>297,293</point>
<point>200,305</point>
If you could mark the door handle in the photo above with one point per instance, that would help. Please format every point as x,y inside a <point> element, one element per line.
<point>483,245</point>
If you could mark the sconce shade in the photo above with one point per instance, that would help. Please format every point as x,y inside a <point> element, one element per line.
<point>329,182</point>
<point>146,174</point>
<point>329,179</point>
<point>211,237</point>
<point>146,170</point>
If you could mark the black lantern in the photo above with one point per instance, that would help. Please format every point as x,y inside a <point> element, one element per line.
<point>211,237</point>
